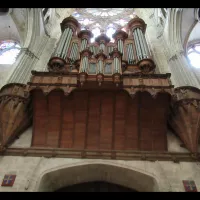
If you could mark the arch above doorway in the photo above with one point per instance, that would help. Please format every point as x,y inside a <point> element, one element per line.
<point>125,176</point>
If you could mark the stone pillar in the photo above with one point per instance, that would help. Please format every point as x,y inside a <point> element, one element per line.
<point>68,27</point>
<point>181,71</point>
<point>119,37</point>
<point>27,57</point>
<point>85,36</point>
<point>102,40</point>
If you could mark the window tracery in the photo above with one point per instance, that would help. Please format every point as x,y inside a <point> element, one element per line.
<point>9,51</point>
<point>103,20</point>
<point>194,55</point>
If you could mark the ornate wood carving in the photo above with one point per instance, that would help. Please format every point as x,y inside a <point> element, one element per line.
<point>146,66</point>
<point>185,115</point>
<point>57,64</point>
<point>15,113</point>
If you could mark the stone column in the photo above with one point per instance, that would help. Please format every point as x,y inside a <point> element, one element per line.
<point>85,36</point>
<point>68,27</point>
<point>181,71</point>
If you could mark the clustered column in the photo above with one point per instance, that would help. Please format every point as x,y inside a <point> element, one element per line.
<point>138,27</point>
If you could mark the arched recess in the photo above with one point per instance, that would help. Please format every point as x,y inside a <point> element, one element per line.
<point>59,177</point>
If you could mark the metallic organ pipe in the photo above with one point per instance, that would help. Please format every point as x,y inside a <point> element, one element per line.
<point>75,51</point>
<point>60,44</point>
<point>64,41</point>
<point>100,66</point>
<point>84,44</point>
<point>102,46</point>
<point>145,45</point>
<point>136,46</point>
<point>120,46</point>
<point>131,53</point>
<point>128,53</point>
<point>67,43</point>
<point>141,43</point>
<point>116,65</point>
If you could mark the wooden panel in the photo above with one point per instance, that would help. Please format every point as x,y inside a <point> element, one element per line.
<point>160,126</point>
<point>54,120</point>
<point>132,123</point>
<point>68,122</point>
<point>40,119</point>
<point>119,121</point>
<point>100,120</point>
<point>93,130</point>
<point>81,103</point>
<point>106,120</point>
<point>146,121</point>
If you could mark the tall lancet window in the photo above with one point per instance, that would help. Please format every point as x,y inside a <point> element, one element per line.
<point>194,55</point>
<point>9,51</point>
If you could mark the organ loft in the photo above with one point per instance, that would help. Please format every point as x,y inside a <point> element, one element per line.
<point>100,100</point>
<point>100,96</point>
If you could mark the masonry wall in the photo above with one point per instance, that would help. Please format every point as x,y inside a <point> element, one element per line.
<point>30,170</point>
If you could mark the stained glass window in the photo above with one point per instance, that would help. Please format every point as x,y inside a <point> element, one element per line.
<point>194,55</point>
<point>103,20</point>
<point>8,51</point>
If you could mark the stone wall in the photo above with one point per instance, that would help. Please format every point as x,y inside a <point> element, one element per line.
<point>48,174</point>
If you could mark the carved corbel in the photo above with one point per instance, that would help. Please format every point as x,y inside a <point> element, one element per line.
<point>117,78</point>
<point>15,113</point>
<point>100,78</point>
<point>184,118</point>
<point>153,92</point>
<point>82,77</point>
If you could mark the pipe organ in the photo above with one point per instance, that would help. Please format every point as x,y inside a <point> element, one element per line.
<point>133,50</point>
<point>100,96</point>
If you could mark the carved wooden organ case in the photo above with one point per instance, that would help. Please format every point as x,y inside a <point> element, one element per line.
<point>100,96</point>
